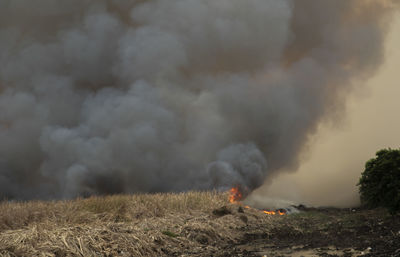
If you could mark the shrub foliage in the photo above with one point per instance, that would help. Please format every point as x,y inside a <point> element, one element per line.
<point>379,184</point>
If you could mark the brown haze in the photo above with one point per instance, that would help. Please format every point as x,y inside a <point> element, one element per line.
<point>336,155</point>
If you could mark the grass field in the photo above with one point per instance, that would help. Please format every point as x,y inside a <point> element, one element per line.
<point>189,224</point>
<point>120,225</point>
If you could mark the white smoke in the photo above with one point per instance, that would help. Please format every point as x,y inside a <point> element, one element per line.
<point>114,96</point>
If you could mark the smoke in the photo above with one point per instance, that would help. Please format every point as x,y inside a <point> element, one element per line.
<point>336,156</point>
<point>119,96</point>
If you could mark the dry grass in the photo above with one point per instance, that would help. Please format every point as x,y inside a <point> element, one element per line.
<point>14,215</point>
<point>121,225</point>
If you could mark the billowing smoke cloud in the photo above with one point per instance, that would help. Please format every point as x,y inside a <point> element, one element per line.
<point>335,156</point>
<point>142,96</point>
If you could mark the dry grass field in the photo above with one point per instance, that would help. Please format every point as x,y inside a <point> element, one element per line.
<point>189,224</point>
<point>120,225</point>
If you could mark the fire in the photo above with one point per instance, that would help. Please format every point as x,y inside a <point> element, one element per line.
<point>279,212</point>
<point>269,212</point>
<point>235,196</point>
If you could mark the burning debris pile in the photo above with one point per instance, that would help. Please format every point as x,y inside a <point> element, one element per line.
<point>107,96</point>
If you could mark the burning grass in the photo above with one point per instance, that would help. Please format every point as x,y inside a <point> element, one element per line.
<point>236,195</point>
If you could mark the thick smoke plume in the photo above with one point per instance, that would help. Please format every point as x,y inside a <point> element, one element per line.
<point>118,96</point>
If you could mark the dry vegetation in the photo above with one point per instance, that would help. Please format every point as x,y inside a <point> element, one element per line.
<point>189,224</point>
<point>120,225</point>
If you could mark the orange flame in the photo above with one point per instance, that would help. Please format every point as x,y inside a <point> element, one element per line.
<point>269,212</point>
<point>235,195</point>
<point>279,212</point>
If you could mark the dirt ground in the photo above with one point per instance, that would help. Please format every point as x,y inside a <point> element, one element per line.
<point>327,232</point>
<point>190,224</point>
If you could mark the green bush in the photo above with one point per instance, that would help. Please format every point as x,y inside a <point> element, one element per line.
<point>379,184</point>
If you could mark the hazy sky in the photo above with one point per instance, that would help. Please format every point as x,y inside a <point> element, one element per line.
<point>336,156</point>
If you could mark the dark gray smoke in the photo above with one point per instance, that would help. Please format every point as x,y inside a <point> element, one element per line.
<point>112,96</point>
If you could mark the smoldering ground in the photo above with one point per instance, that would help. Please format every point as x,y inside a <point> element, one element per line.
<point>141,96</point>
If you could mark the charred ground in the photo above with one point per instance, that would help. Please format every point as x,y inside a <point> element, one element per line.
<point>190,224</point>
